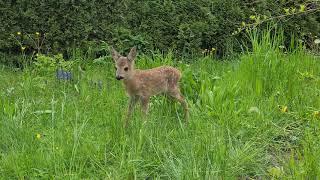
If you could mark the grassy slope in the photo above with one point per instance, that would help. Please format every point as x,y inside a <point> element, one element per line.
<point>236,129</point>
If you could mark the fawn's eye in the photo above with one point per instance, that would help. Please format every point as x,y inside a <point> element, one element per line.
<point>126,69</point>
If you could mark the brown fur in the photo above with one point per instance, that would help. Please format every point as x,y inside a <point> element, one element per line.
<point>142,84</point>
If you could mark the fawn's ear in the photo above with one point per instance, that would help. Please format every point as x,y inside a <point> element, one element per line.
<point>132,54</point>
<point>115,54</point>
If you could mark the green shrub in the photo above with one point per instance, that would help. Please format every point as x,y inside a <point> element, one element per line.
<point>186,26</point>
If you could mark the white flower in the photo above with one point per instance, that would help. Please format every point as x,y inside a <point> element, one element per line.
<point>317,41</point>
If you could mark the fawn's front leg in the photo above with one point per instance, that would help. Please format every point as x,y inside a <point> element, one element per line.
<point>145,105</point>
<point>132,102</point>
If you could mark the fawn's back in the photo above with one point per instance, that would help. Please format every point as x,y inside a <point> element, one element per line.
<point>151,82</point>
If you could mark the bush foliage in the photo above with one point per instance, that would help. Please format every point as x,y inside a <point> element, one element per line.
<point>186,26</point>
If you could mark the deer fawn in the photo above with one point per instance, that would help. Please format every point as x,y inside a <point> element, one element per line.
<point>142,84</point>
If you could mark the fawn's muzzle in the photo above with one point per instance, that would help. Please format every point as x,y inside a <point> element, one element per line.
<point>119,77</point>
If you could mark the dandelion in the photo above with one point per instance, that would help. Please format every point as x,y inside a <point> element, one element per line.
<point>23,48</point>
<point>283,109</point>
<point>37,33</point>
<point>38,136</point>
<point>213,49</point>
<point>18,33</point>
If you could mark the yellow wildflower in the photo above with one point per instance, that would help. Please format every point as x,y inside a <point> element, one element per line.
<point>19,33</point>
<point>37,33</point>
<point>213,49</point>
<point>23,48</point>
<point>284,109</point>
<point>38,136</point>
<point>316,114</point>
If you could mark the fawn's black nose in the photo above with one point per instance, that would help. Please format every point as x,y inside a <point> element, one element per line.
<point>119,77</point>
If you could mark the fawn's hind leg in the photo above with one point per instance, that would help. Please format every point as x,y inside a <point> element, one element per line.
<point>179,97</point>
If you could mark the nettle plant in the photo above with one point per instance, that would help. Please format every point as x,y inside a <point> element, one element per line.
<point>49,64</point>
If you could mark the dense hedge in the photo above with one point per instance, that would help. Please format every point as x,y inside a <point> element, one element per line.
<point>186,26</point>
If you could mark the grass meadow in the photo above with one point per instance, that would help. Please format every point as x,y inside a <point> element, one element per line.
<point>255,116</point>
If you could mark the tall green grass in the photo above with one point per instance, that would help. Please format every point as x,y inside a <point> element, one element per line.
<point>239,127</point>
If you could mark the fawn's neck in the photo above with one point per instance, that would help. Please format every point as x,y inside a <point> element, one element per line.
<point>130,79</point>
<point>131,84</point>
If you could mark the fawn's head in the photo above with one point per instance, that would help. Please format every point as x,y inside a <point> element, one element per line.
<point>124,65</point>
